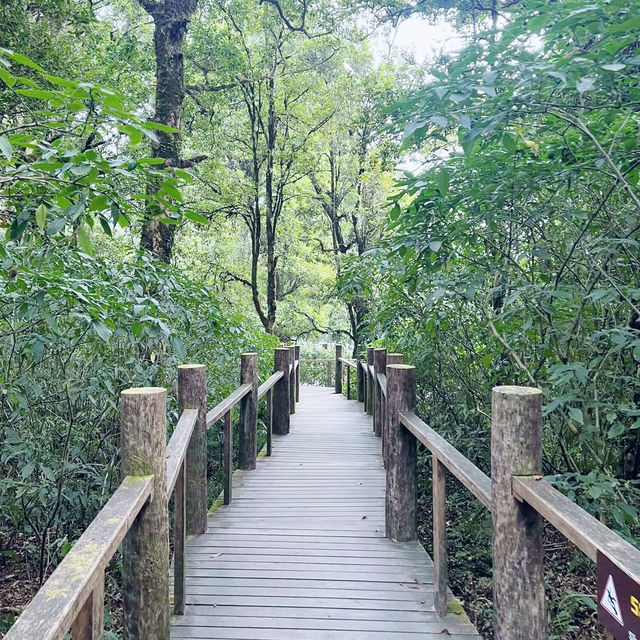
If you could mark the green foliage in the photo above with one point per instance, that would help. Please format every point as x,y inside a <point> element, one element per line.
<point>65,161</point>
<point>75,331</point>
<point>513,258</point>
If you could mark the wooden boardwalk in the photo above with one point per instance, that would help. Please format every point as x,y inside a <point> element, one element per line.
<point>301,553</point>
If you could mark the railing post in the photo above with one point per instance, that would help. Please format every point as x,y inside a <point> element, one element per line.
<point>379,365</point>
<point>518,579</point>
<point>392,358</point>
<point>439,494</point>
<point>369,379</point>
<point>281,394</point>
<point>192,394</point>
<point>145,551</point>
<point>360,378</point>
<point>348,383</point>
<point>400,507</point>
<point>89,624</point>
<point>269,420</point>
<point>248,412</point>
<point>179,539</point>
<point>227,455</point>
<point>297,370</point>
<point>338,385</point>
<point>292,380</point>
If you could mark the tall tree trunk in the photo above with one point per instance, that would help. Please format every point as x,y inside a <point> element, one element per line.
<point>171,20</point>
<point>272,259</point>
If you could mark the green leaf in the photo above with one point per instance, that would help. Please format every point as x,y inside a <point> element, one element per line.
<point>99,203</point>
<point>41,217</point>
<point>39,94</point>
<point>509,142</point>
<point>616,430</point>
<point>21,59</point>
<point>84,242</point>
<point>6,148</point>
<point>442,181</point>
<point>102,330</point>
<point>585,84</point>
<point>150,125</point>
<point>614,67</point>
<point>8,78</point>
<point>412,127</point>
<point>56,226</point>
<point>576,415</point>
<point>196,217</point>
<point>627,25</point>
<point>441,121</point>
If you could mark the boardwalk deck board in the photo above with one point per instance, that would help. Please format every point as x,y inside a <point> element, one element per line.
<point>300,553</point>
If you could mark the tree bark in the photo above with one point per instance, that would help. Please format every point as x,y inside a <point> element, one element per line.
<point>171,20</point>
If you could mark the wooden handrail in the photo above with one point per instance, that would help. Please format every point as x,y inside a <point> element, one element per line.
<point>382,381</point>
<point>349,363</point>
<point>54,608</point>
<point>462,468</point>
<point>575,524</point>
<point>269,383</point>
<point>228,403</point>
<point>177,446</point>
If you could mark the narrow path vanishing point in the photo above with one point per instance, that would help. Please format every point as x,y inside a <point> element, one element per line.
<point>301,553</point>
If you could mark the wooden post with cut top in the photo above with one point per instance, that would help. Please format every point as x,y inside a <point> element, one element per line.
<point>338,385</point>
<point>518,578</point>
<point>247,438</point>
<point>392,358</point>
<point>360,381</point>
<point>369,381</point>
<point>281,390</point>
<point>379,366</point>
<point>192,394</point>
<point>400,506</point>
<point>292,379</point>
<point>297,354</point>
<point>145,550</point>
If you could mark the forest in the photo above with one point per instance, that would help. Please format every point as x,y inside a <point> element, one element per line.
<point>186,180</point>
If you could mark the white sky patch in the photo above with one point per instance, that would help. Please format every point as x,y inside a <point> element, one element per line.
<point>419,38</point>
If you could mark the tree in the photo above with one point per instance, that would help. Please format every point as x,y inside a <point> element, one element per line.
<point>171,20</point>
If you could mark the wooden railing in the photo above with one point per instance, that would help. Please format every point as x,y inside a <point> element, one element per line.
<point>516,494</point>
<point>137,515</point>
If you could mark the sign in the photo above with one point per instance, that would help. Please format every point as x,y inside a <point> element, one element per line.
<point>618,601</point>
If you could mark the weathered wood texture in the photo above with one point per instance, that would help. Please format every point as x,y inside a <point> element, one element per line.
<point>228,403</point>
<point>145,551</point>
<point>227,455</point>
<point>585,531</point>
<point>361,382</point>
<point>439,491</point>
<point>338,385</point>
<point>292,380</point>
<point>401,470</point>
<point>57,604</point>
<point>297,373</point>
<point>179,539</point>
<point>301,552</point>
<point>518,579</point>
<point>462,468</point>
<point>247,431</point>
<point>379,366</point>
<point>192,394</point>
<point>370,385</point>
<point>281,416</point>
<point>392,358</point>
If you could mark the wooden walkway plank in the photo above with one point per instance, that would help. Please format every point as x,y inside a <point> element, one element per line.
<point>300,553</point>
